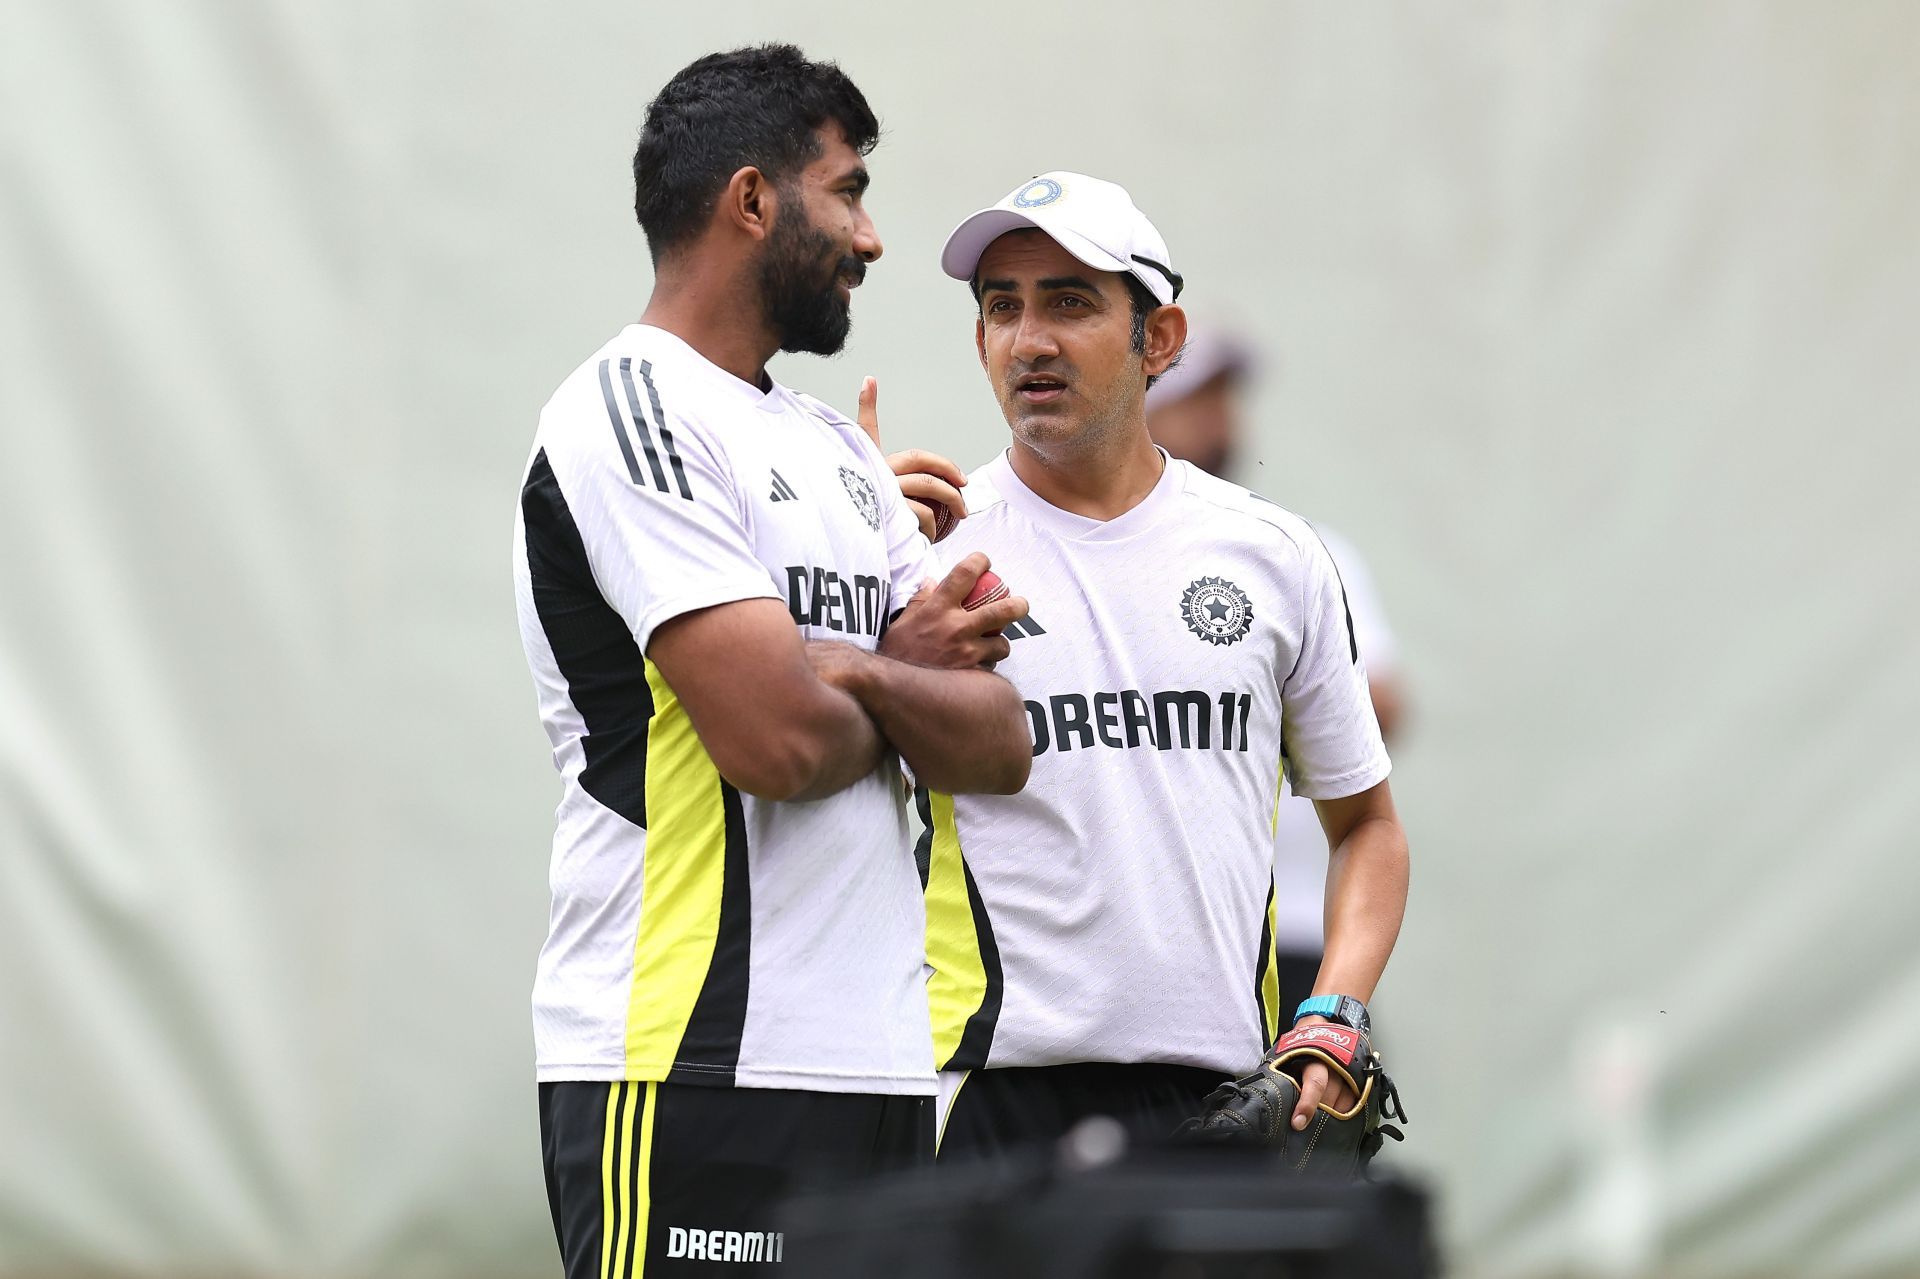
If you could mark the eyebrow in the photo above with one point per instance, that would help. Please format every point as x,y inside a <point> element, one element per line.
<point>1048,285</point>
<point>859,176</point>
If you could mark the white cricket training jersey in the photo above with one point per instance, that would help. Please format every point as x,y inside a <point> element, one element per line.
<point>699,934</point>
<point>1119,909</point>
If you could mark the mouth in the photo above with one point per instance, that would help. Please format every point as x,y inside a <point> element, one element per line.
<point>1039,388</point>
<point>852,272</point>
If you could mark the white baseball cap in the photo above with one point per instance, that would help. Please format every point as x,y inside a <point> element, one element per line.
<point>1095,221</point>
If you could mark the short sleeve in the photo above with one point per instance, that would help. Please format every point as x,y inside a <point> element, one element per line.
<point>1332,740</point>
<point>661,541</point>
<point>1377,647</point>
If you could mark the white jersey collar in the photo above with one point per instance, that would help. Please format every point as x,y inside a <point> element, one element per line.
<point>1081,528</point>
<point>773,400</point>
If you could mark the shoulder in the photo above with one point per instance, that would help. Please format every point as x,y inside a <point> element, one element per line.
<point>986,520</point>
<point>1240,513</point>
<point>634,412</point>
<point>984,491</point>
<point>847,431</point>
<point>624,377</point>
<point>825,412</point>
<point>836,422</point>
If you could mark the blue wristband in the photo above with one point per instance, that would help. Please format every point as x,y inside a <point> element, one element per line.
<point>1318,1006</point>
<point>1344,1009</point>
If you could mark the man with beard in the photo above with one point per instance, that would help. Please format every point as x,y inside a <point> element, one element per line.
<point>710,572</point>
<point>1102,942</point>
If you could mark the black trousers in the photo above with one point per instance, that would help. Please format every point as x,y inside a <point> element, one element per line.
<point>1002,1111</point>
<point>648,1179</point>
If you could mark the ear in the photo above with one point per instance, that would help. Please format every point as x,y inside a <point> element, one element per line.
<point>1166,334</point>
<point>980,340</point>
<point>749,203</point>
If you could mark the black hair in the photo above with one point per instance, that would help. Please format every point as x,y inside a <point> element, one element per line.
<point>761,106</point>
<point>1144,305</point>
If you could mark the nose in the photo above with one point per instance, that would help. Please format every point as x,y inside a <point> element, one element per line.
<point>1033,337</point>
<point>866,237</point>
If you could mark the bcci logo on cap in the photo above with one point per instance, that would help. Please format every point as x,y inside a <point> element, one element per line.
<point>1036,193</point>
<point>1216,610</point>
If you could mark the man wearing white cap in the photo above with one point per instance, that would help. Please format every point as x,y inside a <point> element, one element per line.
<point>1103,942</point>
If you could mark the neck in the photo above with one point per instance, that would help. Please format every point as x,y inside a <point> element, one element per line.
<point>717,312</point>
<point>1103,485</point>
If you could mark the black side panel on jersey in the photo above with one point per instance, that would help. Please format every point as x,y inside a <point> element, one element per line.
<point>923,847</point>
<point>710,1047</point>
<point>977,1040</point>
<point>596,653</point>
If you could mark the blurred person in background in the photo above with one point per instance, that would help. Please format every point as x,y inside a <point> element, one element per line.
<point>1196,412</point>
<point>1101,944</point>
<point>709,571</point>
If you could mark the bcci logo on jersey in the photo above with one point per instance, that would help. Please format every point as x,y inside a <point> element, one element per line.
<point>860,489</point>
<point>1216,610</point>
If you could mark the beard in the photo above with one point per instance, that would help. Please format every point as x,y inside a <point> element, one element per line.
<point>799,275</point>
<point>1090,422</point>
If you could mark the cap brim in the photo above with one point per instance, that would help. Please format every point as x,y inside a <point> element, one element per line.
<point>969,241</point>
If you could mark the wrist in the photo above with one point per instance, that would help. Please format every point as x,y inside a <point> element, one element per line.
<point>1344,1010</point>
<point>865,677</point>
<point>841,666</point>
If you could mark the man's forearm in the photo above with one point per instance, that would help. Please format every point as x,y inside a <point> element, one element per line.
<point>1365,902</point>
<point>962,732</point>
<point>854,749</point>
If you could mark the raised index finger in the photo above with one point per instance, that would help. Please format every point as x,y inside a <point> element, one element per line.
<point>869,412</point>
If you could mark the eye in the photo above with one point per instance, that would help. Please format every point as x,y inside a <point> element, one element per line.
<point>1070,300</point>
<point>998,305</point>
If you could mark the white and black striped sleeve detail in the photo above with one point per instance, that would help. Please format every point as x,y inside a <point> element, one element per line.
<point>656,552</point>
<point>628,414</point>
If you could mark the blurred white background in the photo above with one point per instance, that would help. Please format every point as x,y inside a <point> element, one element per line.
<point>1595,327</point>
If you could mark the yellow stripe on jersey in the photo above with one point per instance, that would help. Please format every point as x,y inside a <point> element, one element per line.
<point>1279,788</point>
<point>680,887</point>
<point>959,981</point>
<point>1270,979</point>
<point>1270,982</point>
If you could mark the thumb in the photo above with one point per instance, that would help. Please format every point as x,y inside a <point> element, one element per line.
<point>869,414</point>
<point>1313,1084</point>
<point>954,587</point>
